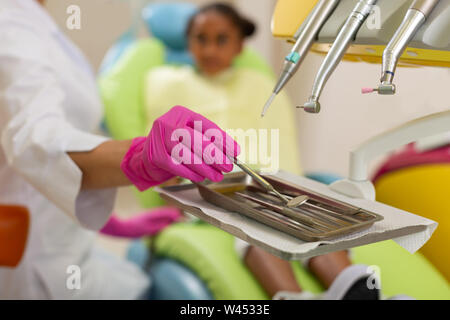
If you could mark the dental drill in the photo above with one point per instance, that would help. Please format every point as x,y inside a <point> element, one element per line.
<point>305,37</point>
<point>345,37</point>
<point>415,17</point>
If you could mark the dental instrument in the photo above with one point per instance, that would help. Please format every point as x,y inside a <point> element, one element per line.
<point>260,180</point>
<point>415,17</point>
<point>312,213</point>
<point>295,215</point>
<point>309,223</point>
<point>290,203</point>
<point>345,37</point>
<point>357,190</point>
<point>305,37</point>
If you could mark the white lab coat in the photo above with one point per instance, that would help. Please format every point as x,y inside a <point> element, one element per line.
<point>49,106</point>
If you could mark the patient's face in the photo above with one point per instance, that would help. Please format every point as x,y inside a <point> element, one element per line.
<point>214,42</point>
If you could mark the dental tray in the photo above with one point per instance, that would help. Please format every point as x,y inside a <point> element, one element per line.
<point>383,222</point>
<point>318,218</point>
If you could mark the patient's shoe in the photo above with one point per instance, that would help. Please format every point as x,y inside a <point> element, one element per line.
<point>354,283</point>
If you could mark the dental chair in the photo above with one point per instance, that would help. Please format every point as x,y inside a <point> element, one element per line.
<point>14,224</point>
<point>419,182</point>
<point>196,260</point>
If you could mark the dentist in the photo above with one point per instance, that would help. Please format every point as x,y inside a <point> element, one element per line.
<point>52,162</point>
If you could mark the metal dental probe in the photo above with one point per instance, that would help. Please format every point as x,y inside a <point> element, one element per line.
<point>268,103</point>
<point>260,180</point>
<point>282,210</point>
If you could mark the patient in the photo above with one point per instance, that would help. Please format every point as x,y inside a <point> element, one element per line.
<point>230,96</point>
<point>233,98</point>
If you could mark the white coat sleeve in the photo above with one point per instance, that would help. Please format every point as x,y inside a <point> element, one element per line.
<point>35,134</point>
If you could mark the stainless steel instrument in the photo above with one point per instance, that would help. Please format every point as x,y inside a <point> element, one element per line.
<point>259,179</point>
<point>345,37</point>
<point>415,17</point>
<point>305,37</point>
<point>314,218</point>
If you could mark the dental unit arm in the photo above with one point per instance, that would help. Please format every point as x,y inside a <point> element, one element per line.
<point>416,16</point>
<point>345,37</point>
<point>358,184</point>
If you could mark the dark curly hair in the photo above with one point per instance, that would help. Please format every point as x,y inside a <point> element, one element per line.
<point>246,27</point>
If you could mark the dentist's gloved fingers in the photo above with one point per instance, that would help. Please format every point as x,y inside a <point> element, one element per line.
<point>180,117</point>
<point>150,161</point>
<point>158,155</point>
<point>175,157</point>
<point>173,149</point>
<point>221,139</point>
<point>201,146</point>
<point>173,163</point>
<point>185,157</point>
<point>176,116</point>
<point>139,170</point>
<point>214,157</point>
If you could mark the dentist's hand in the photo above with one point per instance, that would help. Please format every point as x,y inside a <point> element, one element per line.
<point>181,143</point>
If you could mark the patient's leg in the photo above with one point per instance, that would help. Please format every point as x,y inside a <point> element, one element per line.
<point>327,267</point>
<point>273,273</point>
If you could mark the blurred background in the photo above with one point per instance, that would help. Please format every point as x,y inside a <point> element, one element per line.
<point>347,118</point>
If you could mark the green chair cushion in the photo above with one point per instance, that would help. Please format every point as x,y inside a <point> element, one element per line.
<point>210,253</point>
<point>251,59</point>
<point>122,89</point>
<point>402,272</point>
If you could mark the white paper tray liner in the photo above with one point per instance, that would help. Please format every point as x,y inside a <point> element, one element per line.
<point>408,230</point>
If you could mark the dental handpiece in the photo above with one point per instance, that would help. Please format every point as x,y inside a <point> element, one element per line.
<point>305,37</point>
<point>345,37</point>
<point>415,17</point>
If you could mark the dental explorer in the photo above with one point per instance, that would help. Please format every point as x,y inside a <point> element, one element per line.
<point>415,17</point>
<point>260,180</point>
<point>346,36</point>
<point>305,37</point>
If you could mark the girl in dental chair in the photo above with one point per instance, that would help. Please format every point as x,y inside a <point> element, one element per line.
<point>196,260</point>
<point>229,95</point>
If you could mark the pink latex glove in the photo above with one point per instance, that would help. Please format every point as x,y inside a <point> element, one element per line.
<point>147,223</point>
<point>200,150</point>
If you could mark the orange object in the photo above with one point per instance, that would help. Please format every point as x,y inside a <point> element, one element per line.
<point>14,224</point>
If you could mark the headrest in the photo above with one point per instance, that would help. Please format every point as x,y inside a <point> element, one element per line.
<point>168,22</point>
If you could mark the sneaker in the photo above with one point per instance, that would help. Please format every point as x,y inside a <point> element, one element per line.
<point>352,284</point>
